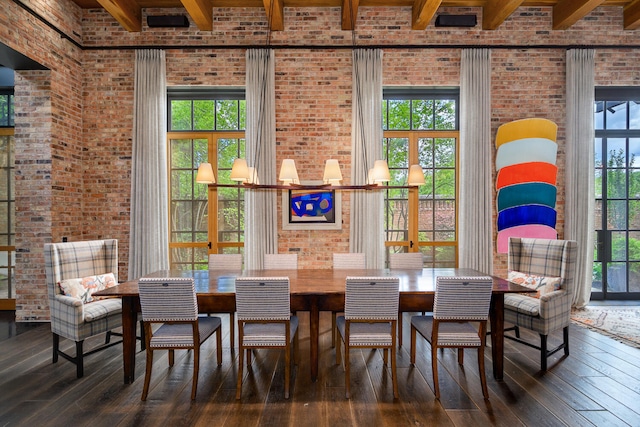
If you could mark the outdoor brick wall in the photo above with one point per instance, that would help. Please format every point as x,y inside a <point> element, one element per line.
<point>74,122</point>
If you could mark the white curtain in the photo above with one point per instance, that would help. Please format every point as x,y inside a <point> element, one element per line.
<point>149,234</point>
<point>261,234</point>
<point>367,226</point>
<point>579,186</point>
<point>476,191</point>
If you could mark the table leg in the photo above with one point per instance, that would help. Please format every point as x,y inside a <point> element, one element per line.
<point>314,337</point>
<point>497,334</point>
<point>129,323</point>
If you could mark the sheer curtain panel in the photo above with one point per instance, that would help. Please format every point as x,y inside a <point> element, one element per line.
<point>367,226</point>
<point>476,191</point>
<point>149,234</point>
<point>261,223</point>
<point>580,202</point>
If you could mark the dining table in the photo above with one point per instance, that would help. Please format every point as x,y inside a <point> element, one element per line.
<point>313,291</point>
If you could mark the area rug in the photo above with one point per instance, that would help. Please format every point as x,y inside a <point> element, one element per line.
<point>619,323</point>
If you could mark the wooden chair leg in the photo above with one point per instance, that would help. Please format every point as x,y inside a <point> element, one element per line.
<point>196,367</point>
<point>347,371</point>
<point>565,339</point>
<point>79,359</point>
<point>240,364</point>
<point>333,329</point>
<point>287,369</point>
<point>434,370</point>
<point>394,375</point>
<point>460,356</point>
<point>399,329</point>
<point>219,345</point>
<point>543,352</point>
<point>143,338</point>
<point>483,377</point>
<point>412,351</point>
<point>147,374</point>
<point>56,346</point>
<point>232,330</point>
<point>338,349</point>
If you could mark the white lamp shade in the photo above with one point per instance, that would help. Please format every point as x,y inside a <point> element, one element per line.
<point>416,175</point>
<point>288,172</point>
<point>380,172</point>
<point>332,174</point>
<point>205,174</point>
<point>239,171</point>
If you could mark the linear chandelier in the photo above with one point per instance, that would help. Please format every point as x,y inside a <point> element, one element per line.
<point>245,176</point>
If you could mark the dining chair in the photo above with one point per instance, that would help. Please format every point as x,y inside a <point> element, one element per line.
<point>73,270</point>
<point>231,262</point>
<point>539,262</point>
<point>280,261</point>
<point>345,261</point>
<point>172,303</point>
<point>369,321</point>
<point>459,304</point>
<point>407,261</point>
<point>265,321</point>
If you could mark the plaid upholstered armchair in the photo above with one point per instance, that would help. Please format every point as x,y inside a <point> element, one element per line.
<point>549,267</point>
<point>74,271</point>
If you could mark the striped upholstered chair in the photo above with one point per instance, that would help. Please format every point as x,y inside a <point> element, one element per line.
<point>345,261</point>
<point>76,315</point>
<point>541,259</point>
<point>459,304</point>
<point>405,261</point>
<point>265,321</point>
<point>229,262</point>
<point>280,261</point>
<point>369,321</point>
<point>172,303</point>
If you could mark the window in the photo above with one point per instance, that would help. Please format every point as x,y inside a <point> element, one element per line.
<point>616,269</point>
<point>421,127</point>
<point>7,199</point>
<point>204,126</point>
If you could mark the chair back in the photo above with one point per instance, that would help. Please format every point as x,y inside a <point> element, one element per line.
<point>73,260</point>
<point>263,298</point>
<point>348,261</point>
<point>371,298</point>
<point>281,261</point>
<point>544,257</point>
<point>225,262</point>
<point>462,298</point>
<point>168,299</point>
<point>408,260</point>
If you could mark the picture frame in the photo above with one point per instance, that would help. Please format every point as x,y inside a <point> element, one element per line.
<point>319,209</point>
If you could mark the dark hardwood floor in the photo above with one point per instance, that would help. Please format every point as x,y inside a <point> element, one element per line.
<point>598,384</point>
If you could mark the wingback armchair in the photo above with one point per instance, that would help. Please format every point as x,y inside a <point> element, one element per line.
<point>71,317</point>
<point>544,260</point>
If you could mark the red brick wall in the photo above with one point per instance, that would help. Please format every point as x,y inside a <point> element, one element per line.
<point>74,123</point>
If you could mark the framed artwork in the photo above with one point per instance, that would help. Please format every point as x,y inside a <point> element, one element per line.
<point>311,209</point>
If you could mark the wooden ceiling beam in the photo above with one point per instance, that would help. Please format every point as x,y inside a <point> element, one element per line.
<point>422,13</point>
<point>201,12</point>
<point>349,14</point>
<point>568,12</point>
<point>127,12</point>
<point>275,14</point>
<point>631,15</point>
<point>495,12</point>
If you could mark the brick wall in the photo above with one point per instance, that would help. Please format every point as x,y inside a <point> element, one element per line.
<point>74,122</point>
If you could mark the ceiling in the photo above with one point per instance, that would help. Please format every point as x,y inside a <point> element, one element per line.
<point>494,12</point>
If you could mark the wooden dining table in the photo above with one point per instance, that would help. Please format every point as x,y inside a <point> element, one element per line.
<point>312,290</point>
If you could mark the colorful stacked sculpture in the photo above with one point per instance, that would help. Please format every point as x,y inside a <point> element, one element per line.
<point>526,181</point>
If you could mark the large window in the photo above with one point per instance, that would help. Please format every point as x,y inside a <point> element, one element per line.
<point>421,127</point>
<point>7,200</point>
<point>204,126</point>
<point>616,270</point>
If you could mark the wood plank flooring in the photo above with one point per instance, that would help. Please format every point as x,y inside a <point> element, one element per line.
<point>598,384</point>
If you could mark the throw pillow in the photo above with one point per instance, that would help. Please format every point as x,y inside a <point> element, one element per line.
<point>542,285</point>
<point>84,287</point>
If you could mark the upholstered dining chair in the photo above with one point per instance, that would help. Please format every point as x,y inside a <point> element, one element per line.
<point>172,303</point>
<point>265,321</point>
<point>73,270</point>
<point>231,262</point>
<point>548,266</point>
<point>407,261</point>
<point>345,261</point>
<point>369,321</point>
<point>460,303</point>
<point>280,261</point>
